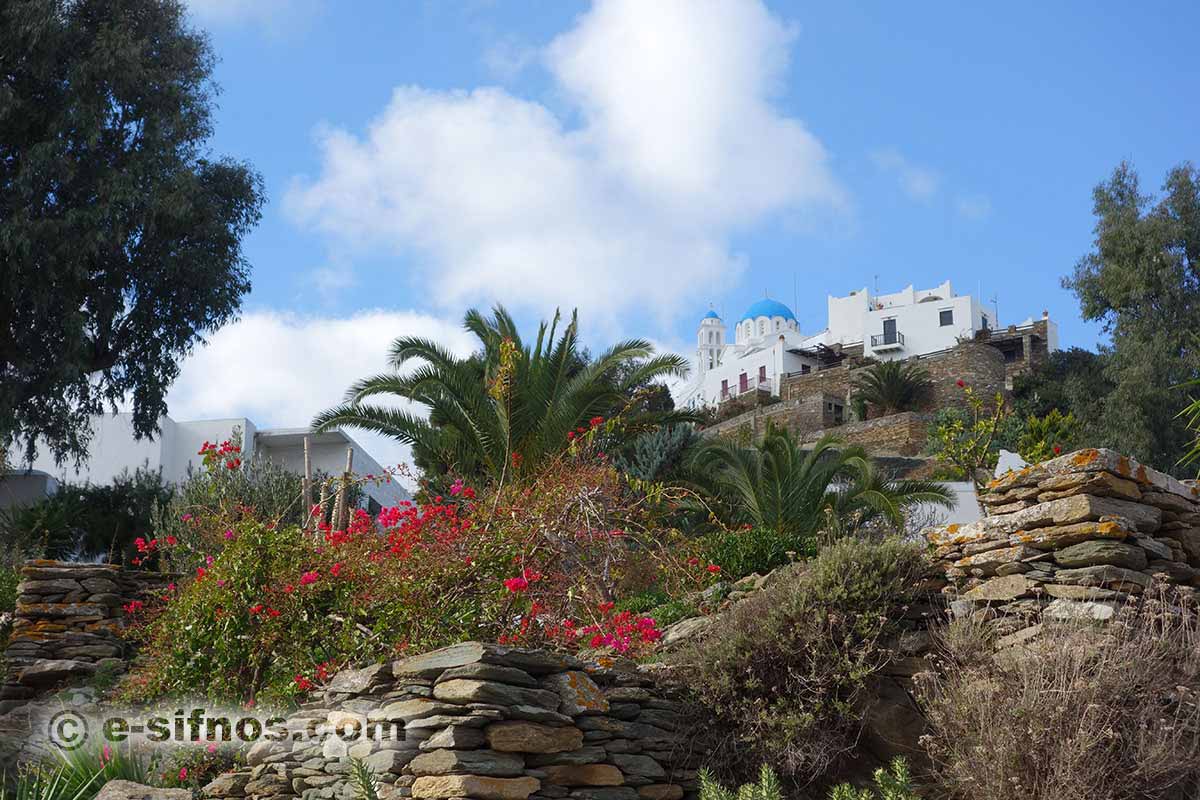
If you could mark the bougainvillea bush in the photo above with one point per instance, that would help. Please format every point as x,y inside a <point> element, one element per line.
<point>272,609</point>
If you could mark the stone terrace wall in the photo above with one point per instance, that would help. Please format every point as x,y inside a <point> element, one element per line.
<point>977,364</point>
<point>1072,537</point>
<point>68,624</point>
<point>487,722</point>
<point>899,434</point>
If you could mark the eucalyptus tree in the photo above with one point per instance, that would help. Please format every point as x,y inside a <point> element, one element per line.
<point>120,236</point>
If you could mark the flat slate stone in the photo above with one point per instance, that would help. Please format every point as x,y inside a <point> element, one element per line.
<point>464,690</point>
<point>432,664</point>
<point>479,787</point>
<point>1087,554</point>
<point>579,693</point>
<point>491,672</point>
<point>584,775</point>
<point>530,737</point>
<point>469,762</point>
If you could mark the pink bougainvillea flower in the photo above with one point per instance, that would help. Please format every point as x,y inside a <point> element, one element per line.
<point>228,534</point>
<point>516,585</point>
<point>713,568</point>
<point>183,773</point>
<point>309,577</point>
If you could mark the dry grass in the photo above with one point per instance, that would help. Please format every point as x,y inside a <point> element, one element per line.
<point>1082,712</point>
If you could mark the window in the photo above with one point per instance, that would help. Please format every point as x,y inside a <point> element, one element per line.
<point>985,326</point>
<point>724,389</point>
<point>743,382</point>
<point>805,369</point>
<point>762,328</point>
<point>373,507</point>
<point>710,337</point>
<point>762,374</point>
<point>946,317</point>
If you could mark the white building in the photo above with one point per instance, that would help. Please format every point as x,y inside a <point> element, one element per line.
<point>176,450</point>
<point>768,344</point>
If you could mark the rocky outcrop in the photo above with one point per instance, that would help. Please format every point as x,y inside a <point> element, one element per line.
<point>68,624</point>
<point>1071,538</point>
<point>481,721</point>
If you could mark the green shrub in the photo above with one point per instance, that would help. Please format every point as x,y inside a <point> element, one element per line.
<point>893,783</point>
<point>766,788</point>
<point>745,551</point>
<point>10,577</point>
<point>786,670</point>
<point>671,612</point>
<point>87,522</point>
<point>78,774</point>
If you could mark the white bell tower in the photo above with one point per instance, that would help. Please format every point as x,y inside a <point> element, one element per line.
<point>710,342</point>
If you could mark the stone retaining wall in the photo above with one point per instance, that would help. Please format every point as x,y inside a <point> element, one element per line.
<point>481,721</point>
<point>1071,538</point>
<point>901,434</point>
<point>68,624</point>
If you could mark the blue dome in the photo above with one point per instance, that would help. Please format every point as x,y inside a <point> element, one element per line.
<point>767,308</point>
<point>712,315</point>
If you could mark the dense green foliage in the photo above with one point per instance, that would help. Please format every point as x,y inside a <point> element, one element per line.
<point>510,407</point>
<point>968,441</point>
<point>1142,282</point>
<point>661,454</point>
<point>87,521</point>
<point>891,386</point>
<point>767,787</point>
<point>892,783</point>
<point>785,670</point>
<point>777,486</point>
<point>120,240</point>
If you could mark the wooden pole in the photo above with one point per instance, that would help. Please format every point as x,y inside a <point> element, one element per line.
<point>307,486</point>
<point>341,510</point>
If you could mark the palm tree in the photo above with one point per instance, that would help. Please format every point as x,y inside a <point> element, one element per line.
<point>892,386</point>
<point>508,406</point>
<point>778,486</point>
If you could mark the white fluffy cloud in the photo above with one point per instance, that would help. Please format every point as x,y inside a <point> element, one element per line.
<point>624,201</point>
<point>280,370</point>
<point>919,183</point>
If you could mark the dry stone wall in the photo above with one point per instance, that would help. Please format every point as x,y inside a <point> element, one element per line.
<point>480,721</point>
<point>1073,537</point>
<point>68,624</point>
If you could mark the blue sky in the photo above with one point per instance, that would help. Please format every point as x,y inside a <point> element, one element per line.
<point>641,160</point>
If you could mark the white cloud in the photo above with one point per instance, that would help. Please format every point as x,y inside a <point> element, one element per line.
<point>508,58</point>
<point>974,207</point>
<point>919,183</point>
<point>677,146</point>
<point>280,370</point>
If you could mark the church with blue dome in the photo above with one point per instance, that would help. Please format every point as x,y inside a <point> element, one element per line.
<point>769,347</point>
<point>766,344</point>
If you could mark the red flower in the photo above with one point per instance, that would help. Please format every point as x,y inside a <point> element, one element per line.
<point>1057,449</point>
<point>309,577</point>
<point>336,569</point>
<point>713,568</point>
<point>596,422</point>
<point>570,435</point>
<point>516,585</point>
<point>959,383</point>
